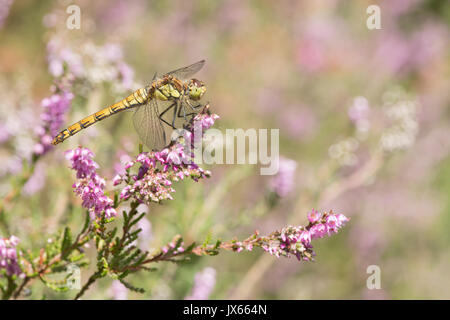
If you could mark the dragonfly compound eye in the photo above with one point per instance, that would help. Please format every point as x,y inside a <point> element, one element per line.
<point>196,89</point>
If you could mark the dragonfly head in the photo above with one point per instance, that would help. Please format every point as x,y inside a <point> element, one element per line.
<point>196,89</point>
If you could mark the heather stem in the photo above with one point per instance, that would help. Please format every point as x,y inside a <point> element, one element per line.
<point>91,280</point>
<point>22,285</point>
<point>11,286</point>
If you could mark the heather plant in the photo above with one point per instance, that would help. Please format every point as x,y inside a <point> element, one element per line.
<point>150,177</point>
<point>118,256</point>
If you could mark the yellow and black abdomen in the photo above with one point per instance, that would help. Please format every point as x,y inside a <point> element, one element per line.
<point>135,99</point>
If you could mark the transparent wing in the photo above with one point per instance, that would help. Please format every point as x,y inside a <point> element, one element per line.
<point>148,125</point>
<point>187,72</point>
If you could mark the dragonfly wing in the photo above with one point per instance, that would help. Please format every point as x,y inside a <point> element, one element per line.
<point>187,72</point>
<point>148,125</point>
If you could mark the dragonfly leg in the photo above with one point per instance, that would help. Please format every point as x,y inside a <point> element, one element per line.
<point>167,109</point>
<point>193,107</point>
<point>184,112</point>
<point>169,124</point>
<point>174,114</point>
<point>192,114</point>
<point>186,115</point>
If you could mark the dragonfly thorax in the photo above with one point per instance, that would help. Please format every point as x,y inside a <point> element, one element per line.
<point>167,92</point>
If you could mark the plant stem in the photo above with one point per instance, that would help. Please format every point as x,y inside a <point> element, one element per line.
<point>91,280</point>
<point>19,290</point>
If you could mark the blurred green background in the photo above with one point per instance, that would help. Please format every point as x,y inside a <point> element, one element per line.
<point>363,113</point>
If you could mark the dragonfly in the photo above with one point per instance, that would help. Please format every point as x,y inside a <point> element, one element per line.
<point>176,90</point>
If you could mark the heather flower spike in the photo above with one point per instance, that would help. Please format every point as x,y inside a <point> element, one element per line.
<point>296,241</point>
<point>158,170</point>
<point>8,256</point>
<point>289,241</point>
<point>55,108</point>
<point>90,186</point>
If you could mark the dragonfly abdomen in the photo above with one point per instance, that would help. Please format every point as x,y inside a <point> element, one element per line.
<point>135,99</point>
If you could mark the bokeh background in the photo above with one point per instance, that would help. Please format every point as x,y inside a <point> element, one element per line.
<point>364,130</point>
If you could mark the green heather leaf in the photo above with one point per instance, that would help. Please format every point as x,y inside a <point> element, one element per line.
<point>136,220</point>
<point>178,243</point>
<point>207,240</point>
<point>66,242</point>
<point>131,287</point>
<point>116,199</point>
<point>191,246</point>
<point>149,269</point>
<point>86,222</point>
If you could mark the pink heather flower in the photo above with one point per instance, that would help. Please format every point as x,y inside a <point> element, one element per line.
<point>172,157</point>
<point>90,187</point>
<point>283,182</point>
<point>331,222</point>
<point>205,119</point>
<point>82,163</point>
<point>8,256</point>
<point>173,248</point>
<point>117,179</point>
<point>297,240</point>
<point>314,216</point>
<point>124,158</point>
<point>341,219</point>
<point>319,230</point>
<point>334,222</point>
<point>54,110</point>
<point>305,237</point>
<point>94,198</point>
<point>204,283</point>
<point>128,165</point>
